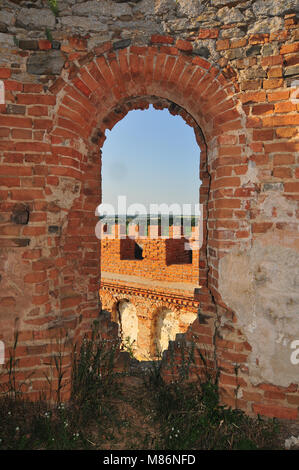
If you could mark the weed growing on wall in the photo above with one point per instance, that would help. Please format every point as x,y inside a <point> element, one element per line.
<point>13,386</point>
<point>53,4</point>
<point>49,35</point>
<point>44,425</point>
<point>128,411</point>
<point>128,345</point>
<point>190,415</point>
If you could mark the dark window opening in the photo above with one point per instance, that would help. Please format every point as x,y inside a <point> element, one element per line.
<point>138,251</point>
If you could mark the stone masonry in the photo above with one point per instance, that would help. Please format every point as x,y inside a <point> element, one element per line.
<point>231,70</point>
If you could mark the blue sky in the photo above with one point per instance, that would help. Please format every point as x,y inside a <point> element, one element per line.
<point>151,157</point>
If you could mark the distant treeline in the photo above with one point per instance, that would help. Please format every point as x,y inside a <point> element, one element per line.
<point>154,220</point>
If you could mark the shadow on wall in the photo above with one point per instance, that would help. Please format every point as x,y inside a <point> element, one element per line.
<point>178,251</point>
<point>166,329</point>
<point>130,250</point>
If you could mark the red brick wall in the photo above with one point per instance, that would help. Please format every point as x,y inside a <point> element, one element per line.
<point>51,135</point>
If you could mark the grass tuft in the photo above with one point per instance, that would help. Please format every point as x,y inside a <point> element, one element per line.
<point>109,410</point>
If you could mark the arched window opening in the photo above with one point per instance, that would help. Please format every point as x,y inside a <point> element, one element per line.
<point>150,174</point>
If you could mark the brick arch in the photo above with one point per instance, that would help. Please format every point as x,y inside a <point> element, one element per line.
<point>105,80</point>
<point>93,97</point>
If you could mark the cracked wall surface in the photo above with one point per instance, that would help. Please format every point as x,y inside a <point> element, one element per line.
<point>264,294</point>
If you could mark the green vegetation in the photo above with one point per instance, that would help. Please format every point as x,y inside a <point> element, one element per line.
<point>53,4</point>
<point>191,417</point>
<point>75,425</point>
<point>128,346</point>
<point>144,221</point>
<point>128,410</point>
<point>49,35</point>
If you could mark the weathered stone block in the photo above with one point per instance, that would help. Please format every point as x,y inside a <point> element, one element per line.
<point>55,229</point>
<point>270,8</point>
<point>164,6</point>
<point>15,109</point>
<point>83,24</point>
<point>45,63</point>
<point>33,18</point>
<point>228,15</point>
<point>273,187</point>
<point>220,3</point>
<point>102,8</point>
<point>6,17</point>
<point>6,40</point>
<point>202,52</point>
<point>190,8</point>
<point>121,44</point>
<point>266,26</point>
<point>293,70</point>
<point>253,50</point>
<point>3,28</point>
<point>28,44</point>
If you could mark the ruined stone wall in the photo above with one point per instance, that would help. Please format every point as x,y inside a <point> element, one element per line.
<point>230,69</point>
<point>152,299</point>
<point>149,315</point>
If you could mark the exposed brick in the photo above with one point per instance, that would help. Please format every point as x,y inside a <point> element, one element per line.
<point>36,99</point>
<point>51,133</point>
<point>222,44</point>
<point>208,33</point>
<point>44,44</point>
<point>157,38</point>
<point>253,97</point>
<point>261,227</point>
<point>275,411</point>
<point>272,83</point>
<point>5,72</point>
<point>282,172</point>
<point>184,45</point>
<point>288,48</point>
<point>291,187</point>
<point>33,278</point>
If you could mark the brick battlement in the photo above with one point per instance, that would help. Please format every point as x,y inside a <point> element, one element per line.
<point>162,259</point>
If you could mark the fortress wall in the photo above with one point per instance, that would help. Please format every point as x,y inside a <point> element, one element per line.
<point>231,71</point>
